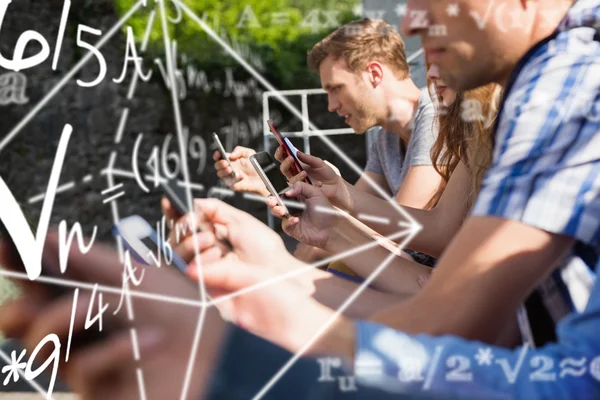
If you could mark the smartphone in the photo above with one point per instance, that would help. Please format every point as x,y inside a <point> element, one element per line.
<point>289,149</point>
<point>268,169</point>
<point>222,152</point>
<point>144,243</point>
<point>173,191</point>
<point>176,195</point>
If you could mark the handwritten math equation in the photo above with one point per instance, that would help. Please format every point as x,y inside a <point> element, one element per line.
<point>47,356</point>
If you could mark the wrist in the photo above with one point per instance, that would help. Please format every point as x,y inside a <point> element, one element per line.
<point>339,340</point>
<point>303,279</point>
<point>336,242</point>
<point>351,202</point>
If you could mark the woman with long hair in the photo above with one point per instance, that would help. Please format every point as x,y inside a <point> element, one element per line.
<point>465,123</point>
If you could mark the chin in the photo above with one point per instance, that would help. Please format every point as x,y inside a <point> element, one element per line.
<point>456,80</point>
<point>468,80</point>
<point>447,102</point>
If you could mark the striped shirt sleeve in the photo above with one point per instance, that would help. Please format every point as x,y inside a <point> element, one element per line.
<point>546,165</point>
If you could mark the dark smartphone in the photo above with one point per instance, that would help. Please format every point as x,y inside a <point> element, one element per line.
<point>176,195</point>
<point>288,150</point>
<point>174,192</point>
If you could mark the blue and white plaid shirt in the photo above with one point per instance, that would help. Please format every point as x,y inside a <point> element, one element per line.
<point>546,168</point>
<point>546,174</point>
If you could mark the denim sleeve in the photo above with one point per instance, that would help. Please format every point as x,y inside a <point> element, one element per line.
<point>458,368</point>
<point>248,363</point>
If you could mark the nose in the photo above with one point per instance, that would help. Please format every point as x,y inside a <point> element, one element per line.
<point>415,20</point>
<point>433,73</point>
<point>332,103</point>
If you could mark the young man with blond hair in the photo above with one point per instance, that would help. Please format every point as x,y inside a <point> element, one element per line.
<point>363,69</point>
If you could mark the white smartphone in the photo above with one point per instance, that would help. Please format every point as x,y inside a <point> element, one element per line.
<point>269,172</point>
<point>144,243</point>
<point>222,152</point>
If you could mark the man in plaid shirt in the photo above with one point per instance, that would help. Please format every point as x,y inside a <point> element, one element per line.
<point>537,214</point>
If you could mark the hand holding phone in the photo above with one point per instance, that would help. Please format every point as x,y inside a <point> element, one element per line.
<point>144,244</point>
<point>177,197</point>
<point>289,149</point>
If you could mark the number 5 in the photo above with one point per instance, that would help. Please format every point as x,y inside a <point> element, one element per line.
<point>95,51</point>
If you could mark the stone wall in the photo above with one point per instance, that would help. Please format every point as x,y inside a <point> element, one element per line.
<point>232,108</point>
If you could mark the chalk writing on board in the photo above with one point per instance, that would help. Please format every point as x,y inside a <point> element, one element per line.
<point>12,88</point>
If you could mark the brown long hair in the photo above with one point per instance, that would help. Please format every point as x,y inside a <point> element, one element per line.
<point>465,137</point>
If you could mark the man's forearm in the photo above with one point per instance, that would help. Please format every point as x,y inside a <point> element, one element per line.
<point>400,276</point>
<point>386,219</point>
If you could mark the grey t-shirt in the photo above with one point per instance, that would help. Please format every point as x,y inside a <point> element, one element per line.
<point>388,158</point>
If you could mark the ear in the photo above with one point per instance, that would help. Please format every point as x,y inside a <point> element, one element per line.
<point>375,73</point>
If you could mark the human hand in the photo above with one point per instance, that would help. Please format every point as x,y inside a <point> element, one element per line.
<point>323,175</point>
<point>309,254</point>
<point>107,368</point>
<point>315,225</point>
<point>281,312</point>
<point>241,175</point>
<point>250,239</point>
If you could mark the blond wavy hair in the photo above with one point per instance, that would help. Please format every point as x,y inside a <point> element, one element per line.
<point>359,42</point>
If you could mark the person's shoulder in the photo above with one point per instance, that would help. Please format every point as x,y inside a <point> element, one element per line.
<point>583,13</point>
<point>424,122</point>
<point>425,101</point>
<point>426,107</point>
<point>559,69</point>
<point>575,42</point>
